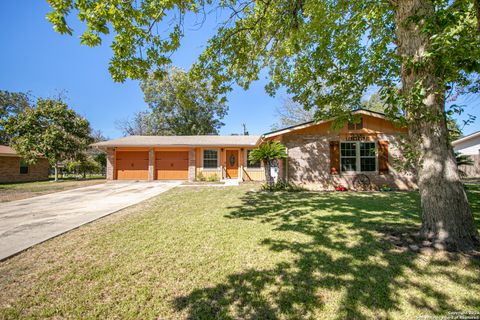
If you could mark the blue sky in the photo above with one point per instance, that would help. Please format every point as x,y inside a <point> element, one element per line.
<point>35,58</point>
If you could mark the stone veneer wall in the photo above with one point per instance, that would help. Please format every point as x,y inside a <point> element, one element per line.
<point>110,164</point>
<point>10,170</point>
<point>308,164</point>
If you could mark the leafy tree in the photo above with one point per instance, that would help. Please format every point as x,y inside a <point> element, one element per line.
<point>268,153</point>
<point>49,129</point>
<point>11,104</point>
<point>327,54</point>
<point>83,164</point>
<point>182,106</point>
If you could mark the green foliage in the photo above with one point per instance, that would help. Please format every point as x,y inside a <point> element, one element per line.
<point>11,104</point>
<point>83,165</point>
<point>268,151</point>
<point>200,177</point>
<point>281,186</point>
<point>213,178</point>
<point>182,106</point>
<point>50,129</point>
<point>326,53</point>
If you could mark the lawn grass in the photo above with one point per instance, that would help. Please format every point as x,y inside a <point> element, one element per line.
<point>24,190</point>
<point>236,253</point>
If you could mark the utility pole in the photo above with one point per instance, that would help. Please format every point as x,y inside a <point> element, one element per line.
<point>245,132</point>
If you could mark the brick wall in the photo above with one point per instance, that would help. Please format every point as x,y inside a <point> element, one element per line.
<point>10,170</point>
<point>308,164</point>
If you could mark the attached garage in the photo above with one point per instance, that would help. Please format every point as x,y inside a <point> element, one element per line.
<point>132,165</point>
<point>171,165</point>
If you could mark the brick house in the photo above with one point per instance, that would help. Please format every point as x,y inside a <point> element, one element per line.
<point>319,157</point>
<point>14,169</point>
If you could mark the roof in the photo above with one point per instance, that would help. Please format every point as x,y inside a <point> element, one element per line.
<point>470,136</point>
<point>179,141</point>
<point>312,123</point>
<point>7,151</point>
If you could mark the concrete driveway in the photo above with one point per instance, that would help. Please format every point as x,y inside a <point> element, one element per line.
<point>24,223</point>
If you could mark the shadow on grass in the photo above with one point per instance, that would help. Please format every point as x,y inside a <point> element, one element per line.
<point>346,255</point>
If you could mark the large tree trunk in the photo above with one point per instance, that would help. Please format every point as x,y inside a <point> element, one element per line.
<point>446,214</point>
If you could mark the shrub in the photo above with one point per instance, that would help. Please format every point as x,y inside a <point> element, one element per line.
<point>213,177</point>
<point>282,186</point>
<point>200,177</point>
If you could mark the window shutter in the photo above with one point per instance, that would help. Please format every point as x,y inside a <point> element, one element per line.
<point>334,157</point>
<point>383,157</point>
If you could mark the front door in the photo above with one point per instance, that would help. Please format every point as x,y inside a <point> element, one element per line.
<point>232,164</point>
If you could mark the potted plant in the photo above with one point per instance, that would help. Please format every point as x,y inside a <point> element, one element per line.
<point>386,187</point>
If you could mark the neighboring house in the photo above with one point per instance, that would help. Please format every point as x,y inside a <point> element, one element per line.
<point>14,169</point>
<point>469,145</point>
<point>319,157</point>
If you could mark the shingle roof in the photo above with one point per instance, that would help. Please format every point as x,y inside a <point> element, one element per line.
<point>470,136</point>
<point>177,141</point>
<point>7,151</point>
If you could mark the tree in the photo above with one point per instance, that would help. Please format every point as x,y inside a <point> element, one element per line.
<point>291,113</point>
<point>268,153</point>
<point>142,124</point>
<point>50,129</point>
<point>327,54</point>
<point>11,104</point>
<point>182,106</point>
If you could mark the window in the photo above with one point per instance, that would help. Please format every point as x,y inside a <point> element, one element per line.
<point>250,165</point>
<point>23,167</point>
<point>210,158</point>
<point>358,156</point>
<point>368,160</point>
<point>348,156</point>
<point>355,125</point>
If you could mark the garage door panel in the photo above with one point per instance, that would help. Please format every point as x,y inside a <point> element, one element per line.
<point>132,165</point>
<point>171,165</point>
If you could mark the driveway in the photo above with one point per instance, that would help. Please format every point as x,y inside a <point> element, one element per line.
<point>24,223</point>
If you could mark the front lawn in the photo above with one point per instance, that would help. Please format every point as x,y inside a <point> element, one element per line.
<point>235,253</point>
<point>24,190</point>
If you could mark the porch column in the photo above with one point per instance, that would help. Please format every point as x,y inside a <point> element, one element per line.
<point>151,164</point>
<point>191,165</point>
<point>111,164</point>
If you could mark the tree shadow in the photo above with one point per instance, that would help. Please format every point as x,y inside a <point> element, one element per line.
<point>365,273</point>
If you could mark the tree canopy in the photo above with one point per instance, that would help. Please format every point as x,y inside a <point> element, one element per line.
<point>178,105</point>
<point>11,104</point>
<point>51,130</point>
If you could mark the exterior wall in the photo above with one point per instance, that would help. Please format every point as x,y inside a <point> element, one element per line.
<point>308,149</point>
<point>474,170</point>
<point>111,164</point>
<point>10,170</point>
<point>308,164</point>
<point>468,147</point>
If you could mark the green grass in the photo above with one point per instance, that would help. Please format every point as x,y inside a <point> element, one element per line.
<point>23,190</point>
<point>235,253</point>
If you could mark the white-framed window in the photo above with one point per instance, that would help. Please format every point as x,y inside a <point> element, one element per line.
<point>358,156</point>
<point>210,158</point>
<point>252,165</point>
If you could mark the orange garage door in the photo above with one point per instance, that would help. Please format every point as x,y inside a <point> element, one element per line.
<point>171,165</point>
<point>132,165</point>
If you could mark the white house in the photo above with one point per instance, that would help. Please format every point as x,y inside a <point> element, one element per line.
<point>469,145</point>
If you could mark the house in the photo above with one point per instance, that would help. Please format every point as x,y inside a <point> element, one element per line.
<point>469,145</point>
<point>14,169</point>
<point>319,157</point>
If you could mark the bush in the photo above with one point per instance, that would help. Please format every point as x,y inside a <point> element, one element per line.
<point>213,177</point>
<point>282,186</point>
<point>200,177</point>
